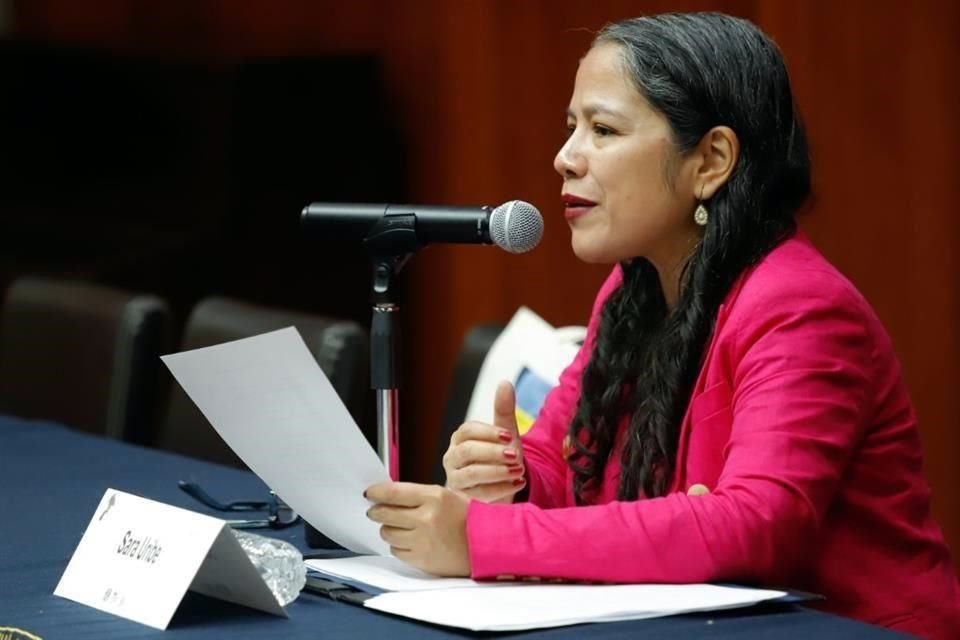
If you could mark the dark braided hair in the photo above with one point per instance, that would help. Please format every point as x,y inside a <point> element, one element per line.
<point>699,70</point>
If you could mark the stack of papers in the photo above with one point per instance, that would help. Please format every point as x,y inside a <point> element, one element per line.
<point>268,399</point>
<point>511,606</point>
<point>533,606</point>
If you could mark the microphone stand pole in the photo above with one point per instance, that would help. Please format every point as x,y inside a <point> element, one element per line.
<point>390,243</point>
<point>384,374</point>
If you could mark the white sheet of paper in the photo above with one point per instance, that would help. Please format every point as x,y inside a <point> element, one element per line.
<point>532,606</point>
<point>138,557</point>
<point>387,573</point>
<point>268,399</point>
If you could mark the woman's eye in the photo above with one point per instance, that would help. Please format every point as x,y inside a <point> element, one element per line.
<point>602,131</point>
<point>569,130</point>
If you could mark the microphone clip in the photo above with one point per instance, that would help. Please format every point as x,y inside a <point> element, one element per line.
<point>394,234</point>
<point>385,270</point>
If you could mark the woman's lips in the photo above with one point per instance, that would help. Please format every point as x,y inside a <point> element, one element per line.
<point>572,213</point>
<point>575,206</point>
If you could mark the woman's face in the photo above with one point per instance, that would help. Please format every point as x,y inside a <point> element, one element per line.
<point>626,191</point>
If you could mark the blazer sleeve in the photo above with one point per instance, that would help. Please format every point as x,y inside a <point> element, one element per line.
<point>800,357</point>
<point>545,464</point>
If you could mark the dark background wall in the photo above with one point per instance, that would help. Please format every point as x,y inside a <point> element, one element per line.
<point>200,128</point>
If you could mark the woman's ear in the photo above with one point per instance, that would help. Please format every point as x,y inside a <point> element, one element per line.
<point>718,151</point>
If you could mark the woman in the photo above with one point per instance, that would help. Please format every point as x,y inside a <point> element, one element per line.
<point>737,412</point>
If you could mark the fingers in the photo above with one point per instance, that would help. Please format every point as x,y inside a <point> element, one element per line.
<point>505,408</point>
<point>401,494</point>
<point>469,431</point>
<point>406,555</point>
<point>480,474</point>
<point>397,538</point>
<point>497,491</point>
<point>486,461</point>
<point>394,517</point>
<point>474,452</point>
<point>504,427</point>
<point>431,536</point>
<point>397,508</point>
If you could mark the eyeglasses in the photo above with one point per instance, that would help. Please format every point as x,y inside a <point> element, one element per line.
<point>279,514</point>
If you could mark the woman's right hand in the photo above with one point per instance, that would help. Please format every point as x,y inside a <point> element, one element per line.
<point>485,461</point>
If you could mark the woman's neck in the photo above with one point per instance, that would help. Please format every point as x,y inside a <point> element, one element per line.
<point>670,268</point>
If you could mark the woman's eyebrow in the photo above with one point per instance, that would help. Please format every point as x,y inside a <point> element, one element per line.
<point>597,109</point>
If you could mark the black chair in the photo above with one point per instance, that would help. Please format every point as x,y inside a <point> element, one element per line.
<point>82,354</point>
<point>341,348</point>
<point>475,346</point>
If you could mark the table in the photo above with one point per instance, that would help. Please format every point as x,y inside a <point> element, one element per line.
<point>52,478</point>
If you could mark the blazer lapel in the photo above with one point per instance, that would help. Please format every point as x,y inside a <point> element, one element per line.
<point>683,444</point>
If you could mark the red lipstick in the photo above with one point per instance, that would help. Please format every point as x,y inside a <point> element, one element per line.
<point>575,206</point>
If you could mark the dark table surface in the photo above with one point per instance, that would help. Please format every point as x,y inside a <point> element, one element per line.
<point>52,478</point>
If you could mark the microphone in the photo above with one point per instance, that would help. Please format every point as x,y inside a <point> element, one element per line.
<point>514,226</point>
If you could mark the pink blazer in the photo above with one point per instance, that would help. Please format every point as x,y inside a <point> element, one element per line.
<point>800,426</point>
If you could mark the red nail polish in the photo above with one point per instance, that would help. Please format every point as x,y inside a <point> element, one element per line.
<point>515,470</point>
<point>519,482</point>
<point>505,436</point>
<point>509,454</point>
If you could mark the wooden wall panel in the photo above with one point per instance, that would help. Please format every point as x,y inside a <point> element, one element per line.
<point>479,88</point>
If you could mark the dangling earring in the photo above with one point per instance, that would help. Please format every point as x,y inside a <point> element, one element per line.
<point>700,214</point>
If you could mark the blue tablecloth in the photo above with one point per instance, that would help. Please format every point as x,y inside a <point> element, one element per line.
<point>52,478</point>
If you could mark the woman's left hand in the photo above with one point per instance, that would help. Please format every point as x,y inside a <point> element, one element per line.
<point>425,525</point>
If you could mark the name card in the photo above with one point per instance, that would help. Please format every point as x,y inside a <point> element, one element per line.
<point>139,557</point>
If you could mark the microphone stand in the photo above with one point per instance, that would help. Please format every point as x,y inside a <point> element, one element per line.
<point>390,243</point>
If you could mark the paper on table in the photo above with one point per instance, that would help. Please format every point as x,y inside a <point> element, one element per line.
<point>387,574</point>
<point>268,399</point>
<point>515,607</point>
<point>511,606</point>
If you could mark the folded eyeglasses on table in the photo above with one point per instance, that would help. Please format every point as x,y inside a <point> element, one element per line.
<point>279,515</point>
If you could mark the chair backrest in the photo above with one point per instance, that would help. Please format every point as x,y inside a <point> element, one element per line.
<point>83,354</point>
<point>341,348</point>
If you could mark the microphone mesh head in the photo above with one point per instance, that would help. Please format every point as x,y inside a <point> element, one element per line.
<point>516,226</point>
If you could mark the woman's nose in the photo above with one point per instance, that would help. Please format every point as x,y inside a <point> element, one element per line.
<point>569,162</point>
